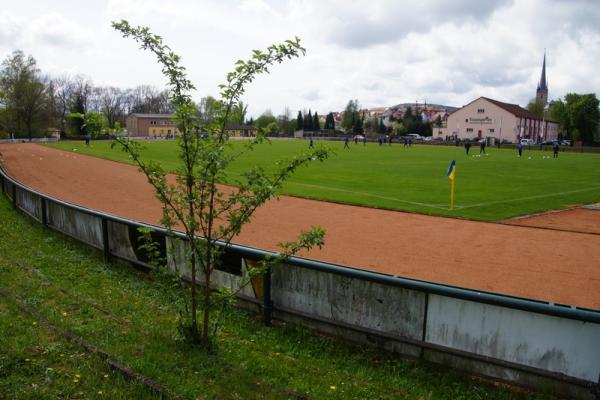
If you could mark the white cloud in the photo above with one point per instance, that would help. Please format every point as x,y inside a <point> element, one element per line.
<point>379,52</point>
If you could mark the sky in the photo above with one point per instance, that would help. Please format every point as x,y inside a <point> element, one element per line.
<point>379,52</point>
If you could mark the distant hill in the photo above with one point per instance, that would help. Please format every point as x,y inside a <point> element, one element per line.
<point>429,105</point>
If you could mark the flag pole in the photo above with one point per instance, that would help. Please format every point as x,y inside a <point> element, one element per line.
<point>451,194</point>
<point>451,174</point>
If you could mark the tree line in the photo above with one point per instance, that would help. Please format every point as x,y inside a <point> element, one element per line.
<point>33,104</point>
<point>578,116</point>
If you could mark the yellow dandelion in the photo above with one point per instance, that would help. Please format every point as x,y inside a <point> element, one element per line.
<point>105,376</point>
<point>99,391</point>
<point>27,360</point>
<point>34,323</point>
<point>65,314</point>
<point>75,380</point>
<point>62,355</point>
<point>77,376</point>
<point>332,387</point>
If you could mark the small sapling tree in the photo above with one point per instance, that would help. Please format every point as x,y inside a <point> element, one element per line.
<point>212,215</point>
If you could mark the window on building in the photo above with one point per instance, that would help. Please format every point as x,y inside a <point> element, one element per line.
<point>469,129</point>
<point>480,110</point>
<point>466,119</point>
<point>491,130</point>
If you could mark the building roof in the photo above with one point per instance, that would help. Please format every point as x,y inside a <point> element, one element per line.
<point>139,115</point>
<point>514,109</point>
<point>543,85</point>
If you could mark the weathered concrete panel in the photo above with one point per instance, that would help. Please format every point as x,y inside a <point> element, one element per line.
<point>549,343</point>
<point>546,385</point>
<point>29,203</point>
<point>77,224</point>
<point>176,256</point>
<point>119,243</point>
<point>8,188</point>
<point>387,309</point>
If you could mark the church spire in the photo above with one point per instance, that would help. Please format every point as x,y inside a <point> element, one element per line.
<point>542,89</point>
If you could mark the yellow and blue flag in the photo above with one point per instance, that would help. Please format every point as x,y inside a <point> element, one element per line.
<point>451,170</point>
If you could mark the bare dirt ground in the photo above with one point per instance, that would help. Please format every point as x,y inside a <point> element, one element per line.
<point>542,264</point>
<point>575,220</point>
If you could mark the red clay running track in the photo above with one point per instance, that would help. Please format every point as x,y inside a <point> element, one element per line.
<point>549,265</point>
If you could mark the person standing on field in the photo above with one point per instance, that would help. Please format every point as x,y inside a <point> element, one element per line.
<point>467,146</point>
<point>311,144</point>
<point>520,148</point>
<point>555,149</point>
<point>346,142</point>
<point>482,147</point>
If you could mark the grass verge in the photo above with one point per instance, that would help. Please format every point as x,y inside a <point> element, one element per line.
<point>129,315</point>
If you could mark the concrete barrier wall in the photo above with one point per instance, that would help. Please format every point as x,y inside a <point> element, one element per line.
<point>77,224</point>
<point>176,262</point>
<point>339,302</point>
<point>120,243</point>
<point>549,343</point>
<point>30,203</point>
<point>500,341</point>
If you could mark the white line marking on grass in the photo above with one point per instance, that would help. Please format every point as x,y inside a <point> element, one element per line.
<point>540,196</point>
<point>372,195</point>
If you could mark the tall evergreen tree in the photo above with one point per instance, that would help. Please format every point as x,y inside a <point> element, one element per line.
<point>299,121</point>
<point>308,121</point>
<point>316,125</point>
<point>381,127</point>
<point>329,122</point>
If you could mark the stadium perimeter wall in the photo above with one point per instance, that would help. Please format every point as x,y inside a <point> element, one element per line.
<point>531,343</point>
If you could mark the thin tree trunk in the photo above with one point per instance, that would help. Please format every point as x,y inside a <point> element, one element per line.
<point>206,316</point>
<point>193,321</point>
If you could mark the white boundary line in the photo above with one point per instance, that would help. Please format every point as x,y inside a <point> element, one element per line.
<point>541,196</point>
<point>371,195</point>
<point>438,206</point>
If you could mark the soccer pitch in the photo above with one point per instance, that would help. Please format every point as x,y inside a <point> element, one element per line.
<point>489,187</point>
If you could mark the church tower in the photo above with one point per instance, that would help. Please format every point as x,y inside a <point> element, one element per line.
<point>541,94</point>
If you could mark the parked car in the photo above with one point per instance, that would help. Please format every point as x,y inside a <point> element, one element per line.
<point>415,136</point>
<point>565,142</point>
<point>428,138</point>
<point>527,142</point>
<point>550,142</point>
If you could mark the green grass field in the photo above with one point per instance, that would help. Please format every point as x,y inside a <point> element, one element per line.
<point>495,186</point>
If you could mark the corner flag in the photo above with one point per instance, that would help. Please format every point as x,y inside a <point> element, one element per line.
<point>451,170</point>
<point>451,174</point>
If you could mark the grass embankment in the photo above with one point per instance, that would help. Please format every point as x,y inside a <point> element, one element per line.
<point>491,187</point>
<point>129,315</point>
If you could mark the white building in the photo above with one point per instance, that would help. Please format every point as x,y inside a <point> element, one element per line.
<point>488,118</point>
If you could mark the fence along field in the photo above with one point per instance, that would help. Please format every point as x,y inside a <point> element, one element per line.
<point>492,186</point>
